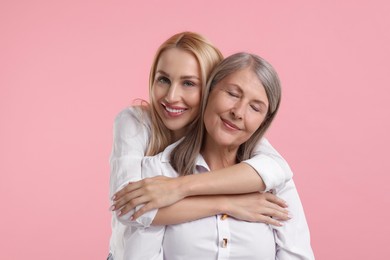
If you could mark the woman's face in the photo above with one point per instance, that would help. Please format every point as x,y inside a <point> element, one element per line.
<point>177,90</point>
<point>236,107</point>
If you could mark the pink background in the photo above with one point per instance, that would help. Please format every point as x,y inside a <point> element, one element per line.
<point>67,68</point>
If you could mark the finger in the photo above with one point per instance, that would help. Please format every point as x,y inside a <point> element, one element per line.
<point>271,221</point>
<point>276,214</point>
<point>260,218</point>
<point>276,211</point>
<point>132,204</point>
<point>269,204</point>
<point>279,215</point>
<point>274,199</point>
<point>274,206</point>
<point>143,210</point>
<point>127,198</point>
<point>131,186</point>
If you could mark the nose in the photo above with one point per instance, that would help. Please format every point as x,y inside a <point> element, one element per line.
<point>238,110</point>
<point>173,94</point>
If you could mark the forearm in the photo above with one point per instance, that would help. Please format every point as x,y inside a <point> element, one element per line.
<point>190,209</point>
<point>237,179</point>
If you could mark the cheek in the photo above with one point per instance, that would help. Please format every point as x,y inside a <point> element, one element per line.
<point>254,123</point>
<point>194,99</point>
<point>155,93</point>
<point>159,90</point>
<point>155,101</point>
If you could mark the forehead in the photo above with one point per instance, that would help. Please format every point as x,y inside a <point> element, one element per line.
<point>176,60</point>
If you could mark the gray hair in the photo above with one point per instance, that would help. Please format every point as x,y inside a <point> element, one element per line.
<point>184,155</point>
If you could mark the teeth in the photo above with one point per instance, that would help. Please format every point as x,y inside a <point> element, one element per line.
<point>172,110</point>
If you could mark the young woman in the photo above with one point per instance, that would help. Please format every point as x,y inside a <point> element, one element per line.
<point>244,99</point>
<point>177,82</point>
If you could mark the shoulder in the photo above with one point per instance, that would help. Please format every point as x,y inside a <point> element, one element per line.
<point>132,122</point>
<point>132,118</point>
<point>133,113</point>
<point>262,144</point>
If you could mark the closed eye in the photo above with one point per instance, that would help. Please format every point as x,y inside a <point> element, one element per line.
<point>233,94</point>
<point>255,108</point>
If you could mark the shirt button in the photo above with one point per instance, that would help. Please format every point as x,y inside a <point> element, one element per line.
<point>224,242</point>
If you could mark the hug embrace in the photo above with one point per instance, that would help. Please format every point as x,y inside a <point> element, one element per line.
<point>192,176</point>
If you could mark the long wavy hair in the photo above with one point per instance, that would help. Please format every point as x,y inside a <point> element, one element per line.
<point>207,55</point>
<point>183,156</point>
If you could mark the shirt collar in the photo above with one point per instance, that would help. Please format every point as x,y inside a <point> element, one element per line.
<point>200,163</point>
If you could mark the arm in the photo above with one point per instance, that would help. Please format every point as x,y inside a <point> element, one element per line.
<point>130,139</point>
<point>264,171</point>
<point>244,177</point>
<point>293,238</point>
<point>130,134</point>
<point>249,207</point>
<point>253,207</point>
<point>270,165</point>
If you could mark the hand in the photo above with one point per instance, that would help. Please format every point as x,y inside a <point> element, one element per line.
<point>257,207</point>
<point>155,192</point>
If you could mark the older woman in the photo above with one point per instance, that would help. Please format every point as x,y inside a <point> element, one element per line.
<point>244,98</point>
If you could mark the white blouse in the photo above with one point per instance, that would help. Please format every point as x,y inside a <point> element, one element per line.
<point>215,237</point>
<point>130,141</point>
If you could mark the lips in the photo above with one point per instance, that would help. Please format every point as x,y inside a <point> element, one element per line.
<point>173,110</point>
<point>230,125</point>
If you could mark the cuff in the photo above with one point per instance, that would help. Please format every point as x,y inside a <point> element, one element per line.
<point>269,170</point>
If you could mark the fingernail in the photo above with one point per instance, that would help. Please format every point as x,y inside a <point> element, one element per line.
<point>112,208</point>
<point>113,197</point>
<point>290,216</point>
<point>118,213</point>
<point>281,224</point>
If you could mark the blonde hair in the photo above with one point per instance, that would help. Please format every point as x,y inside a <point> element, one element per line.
<point>183,156</point>
<point>207,56</point>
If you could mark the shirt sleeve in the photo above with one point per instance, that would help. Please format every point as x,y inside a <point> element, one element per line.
<point>141,240</point>
<point>130,139</point>
<point>270,165</point>
<point>151,166</point>
<point>145,243</point>
<point>293,238</point>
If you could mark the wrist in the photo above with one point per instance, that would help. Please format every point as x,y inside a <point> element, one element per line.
<point>222,206</point>
<point>183,186</point>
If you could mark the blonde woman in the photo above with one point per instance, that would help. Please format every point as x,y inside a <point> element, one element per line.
<point>177,82</point>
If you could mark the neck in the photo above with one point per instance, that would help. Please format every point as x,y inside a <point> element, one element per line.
<point>217,156</point>
<point>176,135</point>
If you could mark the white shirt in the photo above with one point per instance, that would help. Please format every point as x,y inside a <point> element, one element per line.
<point>130,141</point>
<point>215,238</point>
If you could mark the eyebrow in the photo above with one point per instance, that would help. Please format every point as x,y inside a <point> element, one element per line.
<point>182,77</point>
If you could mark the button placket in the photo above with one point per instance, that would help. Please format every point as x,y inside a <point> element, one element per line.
<point>223,237</point>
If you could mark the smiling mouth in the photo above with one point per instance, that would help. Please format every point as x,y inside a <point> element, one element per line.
<point>173,111</point>
<point>230,125</point>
